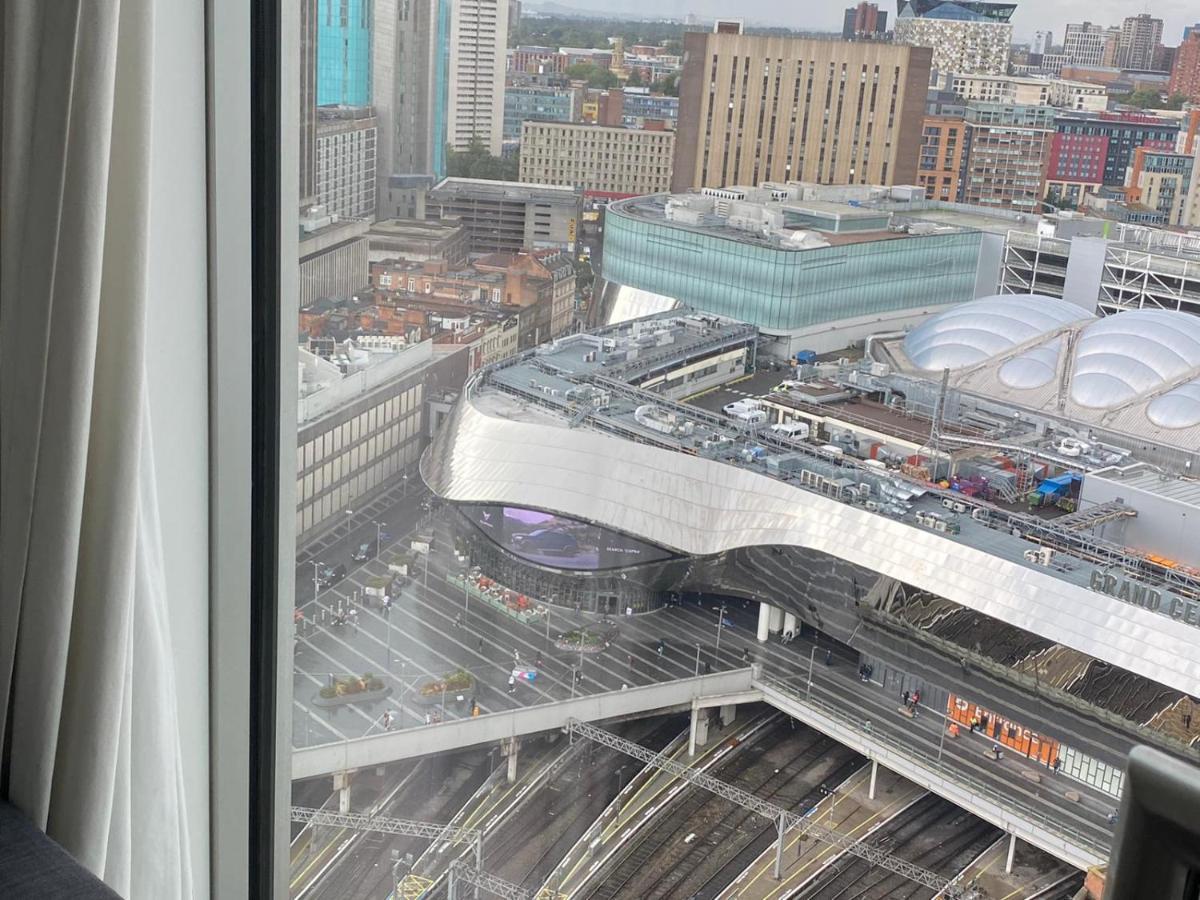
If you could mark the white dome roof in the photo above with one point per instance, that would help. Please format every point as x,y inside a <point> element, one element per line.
<point>1127,354</point>
<point>1179,408</point>
<point>977,331</point>
<point>1034,368</point>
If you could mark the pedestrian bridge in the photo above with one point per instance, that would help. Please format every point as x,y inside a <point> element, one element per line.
<point>455,734</point>
<point>1010,796</point>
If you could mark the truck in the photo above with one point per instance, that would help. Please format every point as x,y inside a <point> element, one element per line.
<point>806,357</point>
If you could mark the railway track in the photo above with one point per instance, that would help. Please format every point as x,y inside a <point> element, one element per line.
<point>680,862</point>
<point>932,832</point>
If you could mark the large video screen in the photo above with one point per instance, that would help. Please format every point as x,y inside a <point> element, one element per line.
<point>559,541</point>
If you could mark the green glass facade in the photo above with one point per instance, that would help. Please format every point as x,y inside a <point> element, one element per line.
<point>783,290</point>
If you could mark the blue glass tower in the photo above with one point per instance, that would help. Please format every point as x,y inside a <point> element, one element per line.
<point>441,86</point>
<point>344,52</point>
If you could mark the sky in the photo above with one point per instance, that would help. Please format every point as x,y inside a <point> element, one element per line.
<point>826,15</point>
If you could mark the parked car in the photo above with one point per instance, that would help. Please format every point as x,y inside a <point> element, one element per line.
<point>365,551</point>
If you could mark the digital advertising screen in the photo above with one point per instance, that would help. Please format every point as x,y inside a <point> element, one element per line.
<point>559,541</point>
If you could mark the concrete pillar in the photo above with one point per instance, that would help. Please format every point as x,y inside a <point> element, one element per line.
<point>341,784</point>
<point>1012,849</point>
<point>789,623</point>
<point>698,736</point>
<point>764,620</point>
<point>874,772</point>
<point>513,746</point>
<point>776,620</point>
<point>728,713</point>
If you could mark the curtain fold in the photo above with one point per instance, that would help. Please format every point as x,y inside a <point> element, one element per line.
<point>91,749</point>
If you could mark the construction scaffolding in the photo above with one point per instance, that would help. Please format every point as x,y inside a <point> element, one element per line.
<point>784,819</point>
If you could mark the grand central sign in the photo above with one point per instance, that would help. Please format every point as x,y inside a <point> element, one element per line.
<point>1136,594</point>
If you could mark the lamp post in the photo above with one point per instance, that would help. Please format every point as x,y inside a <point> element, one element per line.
<point>697,660</point>
<point>316,579</point>
<point>349,520</point>
<point>720,625</point>
<point>403,689</point>
<point>378,538</point>
<point>811,657</point>
<point>404,486</point>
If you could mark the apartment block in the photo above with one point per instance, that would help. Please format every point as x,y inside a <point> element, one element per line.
<point>968,36</point>
<point>1019,91</point>
<point>1083,44</point>
<point>597,158</point>
<point>1162,180</point>
<point>865,21</point>
<point>1185,71</point>
<point>1122,133</point>
<point>1139,41</point>
<point>475,98</point>
<point>1010,146</point>
<point>944,150</point>
<point>768,108</point>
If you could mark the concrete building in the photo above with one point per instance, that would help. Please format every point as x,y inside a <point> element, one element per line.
<point>508,216</point>
<point>475,98</point>
<point>755,108</point>
<point>793,259</point>
<point>967,36</point>
<point>363,422</point>
<point>333,257</point>
<point>1163,180</point>
<point>1185,71</point>
<point>344,52</point>
<point>1010,146</point>
<point>597,158</point>
<point>1083,44</point>
<point>536,60</point>
<point>1140,40</point>
<point>345,162</point>
<point>418,240</point>
<point>864,22</point>
<point>1115,137</point>
<point>308,101</point>
<point>1042,42</point>
<point>1056,92</point>
<point>537,102</point>
<point>945,143</point>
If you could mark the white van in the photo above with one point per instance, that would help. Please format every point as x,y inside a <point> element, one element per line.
<point>796,431</point>
<point>737,407</point>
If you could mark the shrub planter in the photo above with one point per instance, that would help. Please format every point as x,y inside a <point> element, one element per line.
<point>428,692</point>
<point>352,689</point>
<point>593,641</point>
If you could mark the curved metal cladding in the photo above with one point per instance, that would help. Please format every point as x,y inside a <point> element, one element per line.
<point>521,456</point>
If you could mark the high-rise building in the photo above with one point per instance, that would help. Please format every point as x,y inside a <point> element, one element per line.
<point>756,108</point>
<point>625,161</point>
<point>344,52</point>
<point>541,102</point>
<point>966,36</point>
<point>1120,133</point>
<point>345,161</point>
<point>507,216</point>
<point>944,143</point>
<point>475,109</point>
<point>1141,36</point>
<point>1010,145</point>
<point>1042,42</point>
<point>410,43</point>
<point>308,99</point>
<point>866,20</point>
<point>1083,44</point>
<point>1185,72</point>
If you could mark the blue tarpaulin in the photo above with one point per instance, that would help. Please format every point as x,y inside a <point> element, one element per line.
<point>1059,485</point>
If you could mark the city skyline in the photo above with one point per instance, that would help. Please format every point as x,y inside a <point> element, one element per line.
<point>1051,15</point>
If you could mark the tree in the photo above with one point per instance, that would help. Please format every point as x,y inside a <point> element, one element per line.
<point>476,162</point>
<point>1176,101</point>
<point>669,84</point>
<point>634,79</point>
<point>595,76</point>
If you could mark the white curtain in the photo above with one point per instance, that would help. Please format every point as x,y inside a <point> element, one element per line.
<point>91,748</point>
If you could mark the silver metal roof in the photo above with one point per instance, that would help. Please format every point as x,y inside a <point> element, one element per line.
<point>1123,356</point>
<point>977,331</point>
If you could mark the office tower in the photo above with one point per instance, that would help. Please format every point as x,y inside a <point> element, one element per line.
<point>346,161</point>
<point>866,20</point>
<point>1185,72</point>
<point>344,52</point>
<point>1083,44</point>
<point>410,44</point>
<point>968,37</point>
<point>478,32</point>
<point>755,108</point>
<point>308,99</point>
<point>1141,35</point>
<point>1042,42</point>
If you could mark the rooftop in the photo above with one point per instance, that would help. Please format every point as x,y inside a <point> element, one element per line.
<point>504,190</point>
<point>415,229</point>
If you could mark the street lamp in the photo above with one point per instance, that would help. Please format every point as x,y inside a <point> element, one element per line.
<point>349,517</point>
<point>720,624</point>
<point>316,580</point>
<point>811,657</point>
<point>404,486</point>
<point>697,660</point>
<point>379,526</point>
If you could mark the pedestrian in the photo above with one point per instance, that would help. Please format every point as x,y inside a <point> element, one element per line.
<point>631,660</point>
<point>516,655</point>
<point>428,718</point>
<point>707,667</point>
<point>1054,765</point>
<point>387,720</point>
<point>996,751</point>
<point>907,694</point>
<point>745,654</point>
<point>479,646</point>
<point>867,726</point>
<point>916,700</point>
<point>538,664</point>
<point>512,684</point>
<point>1187,721</point>
<point>1112,817</point>
<point>624,686</point>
